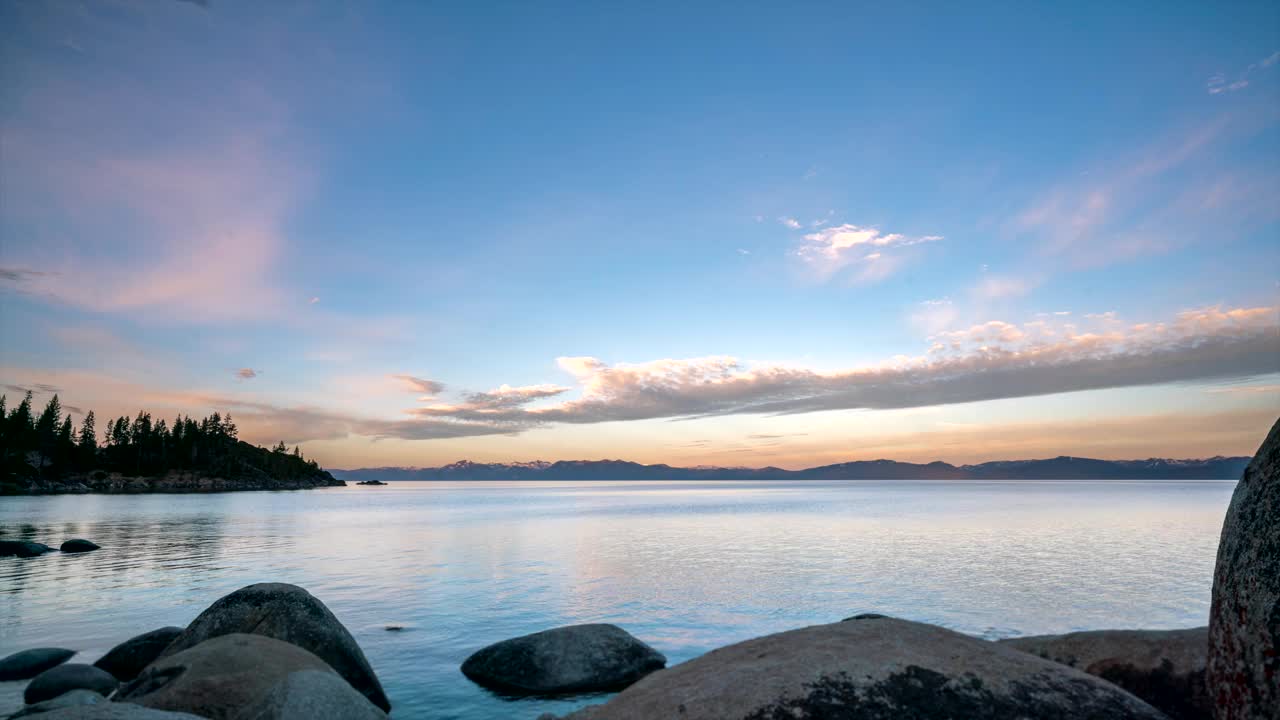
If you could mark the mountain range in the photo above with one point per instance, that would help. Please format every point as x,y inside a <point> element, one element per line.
<point>1059,468</point>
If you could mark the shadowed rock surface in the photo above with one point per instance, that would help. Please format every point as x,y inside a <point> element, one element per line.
<point>1164,667</point>
<point>1244,621</point>
<point>30,663</point>
<point>75,698</point>
<point>113,711</point>
<point>219,678</point>
<point>577,658</point>
<point>79,545</point>
<point>22,548</point>
<point>289,613</point>
<point>870,669</point>
<point>64,678</point>
<point>313,695</point>
<point>127,659</point>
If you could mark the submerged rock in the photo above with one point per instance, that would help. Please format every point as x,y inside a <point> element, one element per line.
<point>78,545</point>
<point>1244,620</point>
<point>75,698</point>
<point>113,711</point>
<point>219,678</point>
<point>289,613</point>
<point>870,669</point>
<point>1164,667</point>
<point>30,663</point>
<point>64,678</point>
<point>22,548</point>
<point>312,695</point>
<point>577,658</point>
<point>127,659</point>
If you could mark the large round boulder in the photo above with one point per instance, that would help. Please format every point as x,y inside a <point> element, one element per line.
<point>1164,667</point>
<point>64,678</point>
<point>870,669</point>
<point>1244,620</point>
<point>219,678</point>
<point>289,613</point>
<point>78,545</point>
<point>113,711</point>
<point>22,548</point>
<point>312,695</point>
<point>30,663</point>
<point>128,658</point>
<point>577,658</point>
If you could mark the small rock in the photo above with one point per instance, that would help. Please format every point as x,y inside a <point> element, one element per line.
<point>113,711</point>
<point>220,677</point>
<point>78,545</point>
<point>22,548</point>
<point>1244,620</point>
<point>127,659</point>
<point>75,698</point>
<point>289,613</point>
<point>1164,667</point>
<point>870,669</point>
<point>30,663</point>
<point>64,678</point>
<point>577,658</point>
<point>312,695</point>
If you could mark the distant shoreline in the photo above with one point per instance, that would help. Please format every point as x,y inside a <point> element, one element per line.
<point>1059,468</point>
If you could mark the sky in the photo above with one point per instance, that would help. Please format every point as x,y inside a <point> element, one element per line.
<point>784,234</point>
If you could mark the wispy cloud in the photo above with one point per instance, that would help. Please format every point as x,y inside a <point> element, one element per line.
<point>429,388</point>
<point>830,250</point>
<point>1217,84</point>
<point>791,222</point>
<point>246,373</point>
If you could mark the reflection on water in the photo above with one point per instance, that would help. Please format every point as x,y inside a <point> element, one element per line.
<point>686,566</point>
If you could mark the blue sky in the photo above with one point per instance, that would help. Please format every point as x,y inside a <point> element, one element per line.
<point>919,232</point>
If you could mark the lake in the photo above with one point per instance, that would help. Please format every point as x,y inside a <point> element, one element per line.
<point>684,566</point>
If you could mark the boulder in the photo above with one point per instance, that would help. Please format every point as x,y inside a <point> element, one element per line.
<point>78,546</point>
<point>30,663</point>
<point>870,669</point>
<point>1244,620</point>
<point>220,677</point>
<point>22,548</point>
<point>288,613</point>
<point>64,678</point>
<point>113,711</point>
<point>312,695</point>
<point>75,698</point>
<point>577,658</point>
<point>1164,667</point>
<point>128,658</point>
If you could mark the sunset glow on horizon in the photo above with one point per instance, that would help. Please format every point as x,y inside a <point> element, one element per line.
<point>410,234</point>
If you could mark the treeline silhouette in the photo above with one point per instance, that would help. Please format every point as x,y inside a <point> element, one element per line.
<point>50,446</point>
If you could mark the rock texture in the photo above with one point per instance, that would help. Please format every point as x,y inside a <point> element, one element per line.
<point>113,711</point>
<point>1164,667</point>
<point>30,663</point>
<point>312,695</point>
<point>75,698</point>
<point>22,548</point>
<point>127,659</point>
<point>64,678</point>
<point>1244,621</point>
<point>78,545</point>
<point>173,482</point>
<point>577,658</point>
<point>288,613</point>
<point>219,678</point>
<point>870,669</point>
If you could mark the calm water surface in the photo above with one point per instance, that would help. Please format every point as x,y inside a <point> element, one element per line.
<point>685,566</point>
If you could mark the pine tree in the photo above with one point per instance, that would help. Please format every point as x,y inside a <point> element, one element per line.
<point>65,450</point>
<point>87,446</point>
<point>47,431</point>
<point>229,428</point>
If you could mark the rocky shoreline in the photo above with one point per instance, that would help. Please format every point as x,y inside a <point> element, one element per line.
<point>173,482</point>
<point>274,652</point>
